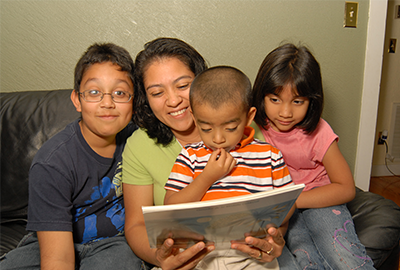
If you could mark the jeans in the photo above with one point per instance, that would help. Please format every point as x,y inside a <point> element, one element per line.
<point>109,253</point>
<point>287,261</point>
<point>325,238</point>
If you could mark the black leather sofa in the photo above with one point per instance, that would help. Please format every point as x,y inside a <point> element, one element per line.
<point>30,118</point>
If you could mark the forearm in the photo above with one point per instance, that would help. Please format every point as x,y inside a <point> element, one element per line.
<point>192,192</point>
<point>219,164</point>
<point>285,223</point>
<point>135,230</point>
<point>340,191</point>
<point>56,250</point>
<point>325,196</point>
<point>54,263</point>
<point>136,237</point>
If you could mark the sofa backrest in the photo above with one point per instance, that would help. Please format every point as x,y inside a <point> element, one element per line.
<point>27,120</point>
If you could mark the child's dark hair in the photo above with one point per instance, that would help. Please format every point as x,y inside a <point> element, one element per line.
<point>295,66</point>
<point>155,50</point>
<point>101,53</point>
<point>221,85</point>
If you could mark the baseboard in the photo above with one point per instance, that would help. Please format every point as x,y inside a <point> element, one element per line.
<point>382,170</point>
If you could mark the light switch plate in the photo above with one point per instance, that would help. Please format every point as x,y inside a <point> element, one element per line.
<point>350,14</point>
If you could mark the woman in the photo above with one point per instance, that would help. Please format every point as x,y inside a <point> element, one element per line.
<point>165,70</point>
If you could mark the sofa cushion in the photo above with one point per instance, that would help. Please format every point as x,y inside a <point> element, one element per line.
<point>377,222</point>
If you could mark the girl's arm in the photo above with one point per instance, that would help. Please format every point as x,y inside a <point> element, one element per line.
<point>340,191</point>
<point>219,165</point>
<point>135,232</point>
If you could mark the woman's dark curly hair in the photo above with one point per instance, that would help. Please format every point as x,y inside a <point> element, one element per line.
<point>154,50</point>
<point>295,66</point>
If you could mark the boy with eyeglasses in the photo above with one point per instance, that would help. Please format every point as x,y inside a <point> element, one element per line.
<point>76,212</point>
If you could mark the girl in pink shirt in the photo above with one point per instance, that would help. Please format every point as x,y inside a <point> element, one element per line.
<point>288,96</point>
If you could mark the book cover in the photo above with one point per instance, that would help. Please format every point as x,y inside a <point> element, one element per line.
<point>219,221</point>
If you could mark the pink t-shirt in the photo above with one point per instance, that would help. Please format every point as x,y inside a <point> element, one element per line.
<point>303,153</point>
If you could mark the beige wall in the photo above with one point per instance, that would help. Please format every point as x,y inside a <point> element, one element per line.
<point>42,40</point>
<point>389,94</point>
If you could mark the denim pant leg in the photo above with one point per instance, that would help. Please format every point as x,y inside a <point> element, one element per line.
<point>334,235</point>
<point>25,256</point>
<point>301,245</point>
<point>287,261</point>
<point>109,253</point>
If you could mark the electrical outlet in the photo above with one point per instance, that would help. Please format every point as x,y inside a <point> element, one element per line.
<point>382,136</point>
<point>380,141</point>
<point>392,45</point>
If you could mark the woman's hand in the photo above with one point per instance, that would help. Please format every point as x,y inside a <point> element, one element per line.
<point>170,257</point>
<point>264,250</point>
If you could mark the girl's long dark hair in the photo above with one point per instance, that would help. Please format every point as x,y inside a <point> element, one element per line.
<point>295,66</point>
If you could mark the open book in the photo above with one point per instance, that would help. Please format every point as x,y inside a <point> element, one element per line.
<point>219,221</point>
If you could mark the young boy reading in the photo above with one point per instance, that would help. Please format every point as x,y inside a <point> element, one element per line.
<point>228,161</point>
<point>76,211</point>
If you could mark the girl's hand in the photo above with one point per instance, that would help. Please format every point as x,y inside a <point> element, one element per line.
<point>219,165</point>
<point>264,250</point>
<point>171,258</point>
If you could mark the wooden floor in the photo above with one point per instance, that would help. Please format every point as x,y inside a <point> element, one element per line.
<point>388,187</point>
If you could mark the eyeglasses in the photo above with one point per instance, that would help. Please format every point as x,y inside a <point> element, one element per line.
<point>97,96</point>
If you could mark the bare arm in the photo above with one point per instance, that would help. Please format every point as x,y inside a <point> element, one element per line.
<point>135,231</point>
<point>285,223</point>
<point>342,188</point>
<point>56,250</point>
<point>216,168</point>
<point>166,257</point>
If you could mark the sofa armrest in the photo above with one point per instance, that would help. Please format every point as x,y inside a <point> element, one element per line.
<point>27,120</point>
<point>377,222</point>
<point>11,233</point>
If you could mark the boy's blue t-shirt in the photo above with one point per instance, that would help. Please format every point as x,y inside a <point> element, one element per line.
<point>72,188</point>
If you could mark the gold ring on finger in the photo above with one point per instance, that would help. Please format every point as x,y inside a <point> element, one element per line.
<point>259,256</point>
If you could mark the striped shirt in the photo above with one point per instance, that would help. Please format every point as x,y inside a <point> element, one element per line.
<point>259,167</point>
